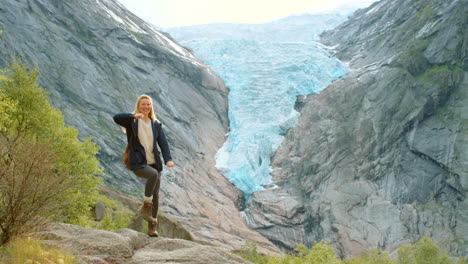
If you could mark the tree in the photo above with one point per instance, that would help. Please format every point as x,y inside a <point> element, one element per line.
<point>425,251</point>
<point>373,256</point>
<point>322,253</point>
<point>45,170</point>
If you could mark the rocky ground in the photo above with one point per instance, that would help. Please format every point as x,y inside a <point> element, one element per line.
<point>127,246</point>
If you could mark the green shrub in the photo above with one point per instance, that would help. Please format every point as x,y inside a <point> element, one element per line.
<point>320,253</point>
<point>249,253</point>
<point>114,220</point>
<point>109,202</point>
<point>117,215</point>
<point>45,170</point>
<point>374,256</point>
<point>425,251</point>
<point>413,59</point>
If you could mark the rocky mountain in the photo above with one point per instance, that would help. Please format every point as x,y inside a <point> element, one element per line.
<point>95,58</point>
<point>379,157</point>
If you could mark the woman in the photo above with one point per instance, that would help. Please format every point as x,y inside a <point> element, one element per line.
<point>143,131</point>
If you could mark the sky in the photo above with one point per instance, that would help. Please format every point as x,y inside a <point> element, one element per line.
<point>175,13</point>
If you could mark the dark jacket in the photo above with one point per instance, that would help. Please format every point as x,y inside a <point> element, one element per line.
<point>137,152</point>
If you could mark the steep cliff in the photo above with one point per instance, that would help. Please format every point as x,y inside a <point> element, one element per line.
<point>380,157</point>
<point>95,58</point>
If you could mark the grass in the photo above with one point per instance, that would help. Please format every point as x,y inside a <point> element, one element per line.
<point>29,251</point>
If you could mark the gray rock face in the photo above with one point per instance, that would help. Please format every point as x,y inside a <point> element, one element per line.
<point>379,158</point>
<point>126,246</point>
<point>95,58</point>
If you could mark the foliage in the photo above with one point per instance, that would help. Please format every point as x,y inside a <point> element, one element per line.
<point>109,202</point>
<point>444,114</point>
<point>45,170</point>
<point>374,256</point>
<point>249,253</point>
<point>433,74</point>
<point>114,221</point>
<point>117,215</point>
<point>26,177</point>
<point>425,251</point>
<point>320,253</point>
<point>412,59</point>
<point>26,250</point>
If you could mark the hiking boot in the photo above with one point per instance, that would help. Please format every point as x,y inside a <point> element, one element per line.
<point>147,211</point>
<point>152,228</point>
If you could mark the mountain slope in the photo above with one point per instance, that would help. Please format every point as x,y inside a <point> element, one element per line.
<point>295,28</point>
<point>379,158</point>
<point>95,58</point>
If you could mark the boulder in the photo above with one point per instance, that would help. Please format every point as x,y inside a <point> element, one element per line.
<point>126,246</point>
<point>99,210</point>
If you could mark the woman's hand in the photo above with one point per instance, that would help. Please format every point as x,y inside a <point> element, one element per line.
<point>170,164</point>
<point>138,116</point>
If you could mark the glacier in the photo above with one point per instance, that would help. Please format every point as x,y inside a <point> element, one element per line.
<point>264,76</point>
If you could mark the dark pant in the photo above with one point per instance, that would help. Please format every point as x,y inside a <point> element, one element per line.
<point>152,184</point>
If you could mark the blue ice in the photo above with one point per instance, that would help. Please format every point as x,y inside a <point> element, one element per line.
<point>264,78</point>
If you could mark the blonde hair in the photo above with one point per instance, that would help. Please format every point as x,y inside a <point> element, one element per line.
<point>135,111</point>
<point>151,114</point>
